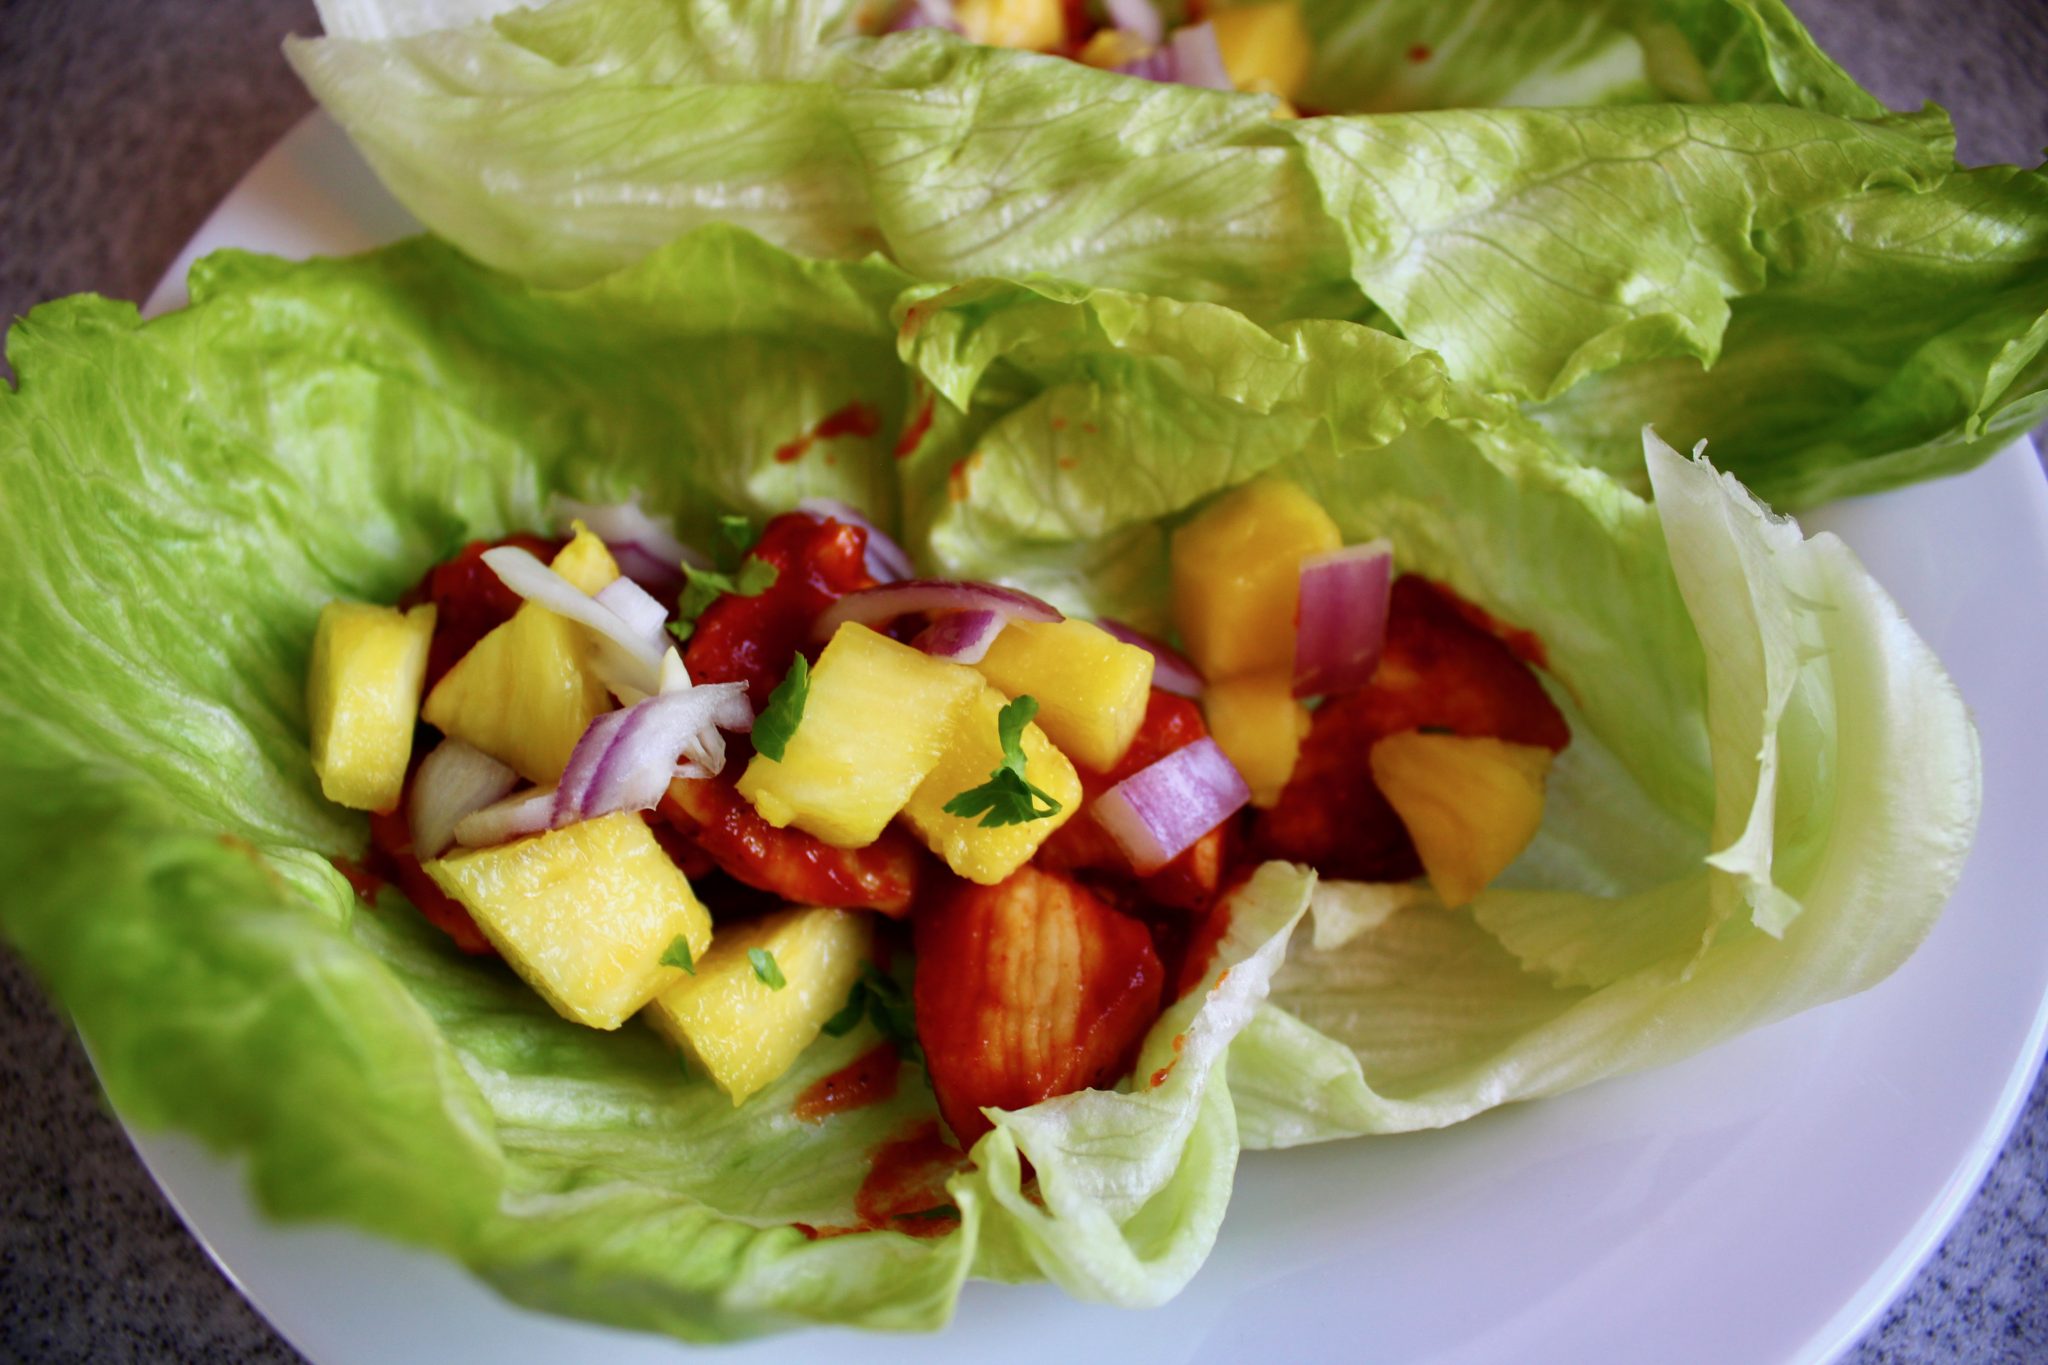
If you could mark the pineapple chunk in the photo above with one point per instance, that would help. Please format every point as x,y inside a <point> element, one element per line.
<point>1091,688</point>
<point>584,913</point>
<point>1237,577</point>
<point>1036,25</point>
<point>989,855</point>
<point>1259,726</point>
<point>363,698</point>
<point>525,694</point>
<point>745,1033</point>
<point>1470,804</point>
<point>877,721</point>
<point>1265,47</point>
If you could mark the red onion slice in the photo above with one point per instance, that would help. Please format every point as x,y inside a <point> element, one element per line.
<point>1198,58</point>
<point>961,637</point>
<point>453,781</point>
<point>924,14</point>
<point>626,759</point>
<point>878,606</point>
<point>886,561</point>
<point>1157,813</point>
<point>1171,671</point>
<point>634,664</point>
<point>512,818</point>
<point>1138,17</point>
<point>1341,622</point>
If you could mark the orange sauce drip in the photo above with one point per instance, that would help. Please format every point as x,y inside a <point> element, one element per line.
<point>868,1079</point>
<point>855,419</point>
<point>919,424</point>
<point>365,883</point>
<point>907,1180</point>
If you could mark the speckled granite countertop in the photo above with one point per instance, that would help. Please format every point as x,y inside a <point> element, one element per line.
<point>125,121</point>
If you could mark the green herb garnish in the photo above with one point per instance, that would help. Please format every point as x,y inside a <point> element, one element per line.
<point>1007,798</point>
<point>678,955</point>
<point>737,531</point>
<point>785,709</point>
<point>763,963</point>
<point>878,997</point>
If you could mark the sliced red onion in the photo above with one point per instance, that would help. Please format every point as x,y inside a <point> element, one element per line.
<point>961,637</point>
<point>924,14</point>
<point>1171,671</point>
<point>642,613</point>
<point>1191,56</point>
<point>886,562</point>
<point>1341,623</point>
<point>1136,16</point>
<point>626,759</point>
<point>1157,813</point>
<point>877,606</point>
<point>513,818</point>
<point>634,662</point>
<point>453,781</point>
<point>1200,58</point>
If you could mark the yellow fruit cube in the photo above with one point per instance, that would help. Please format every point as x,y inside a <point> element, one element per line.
<point>1259,726</point>
<point>363,698</point>
<point>741,1030</point>
<point>876,722</point>
<point>987,855</point>
<point>1237,577</point>
<point>1470,804</point>
<point>584,913</point>
<point>1091,688</point>
<point>1036,25</point>
<point>1265,47</point>
<point>526,693</point>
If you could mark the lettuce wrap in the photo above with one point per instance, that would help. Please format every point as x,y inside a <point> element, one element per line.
<point>1614,211</point>
<point>1769,793</point>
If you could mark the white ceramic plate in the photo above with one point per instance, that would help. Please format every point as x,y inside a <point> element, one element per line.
<point>1760,1202</point>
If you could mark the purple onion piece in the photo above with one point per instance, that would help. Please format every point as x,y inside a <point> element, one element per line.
<point>1140,17</point>
<point>961,637</point>
<point>1158,812</point>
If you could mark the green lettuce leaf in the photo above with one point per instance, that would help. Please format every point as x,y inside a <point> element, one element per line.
<point>185,495</point>
<point>1903,334</point>
<point>1768,796</point>
<point>1625,211</point>
<point>1768,793</point>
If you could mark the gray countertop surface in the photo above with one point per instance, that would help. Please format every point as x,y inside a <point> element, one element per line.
<point>123,122</point>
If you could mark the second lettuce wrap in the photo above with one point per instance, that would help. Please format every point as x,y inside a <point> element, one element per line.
<point>1769,792</point>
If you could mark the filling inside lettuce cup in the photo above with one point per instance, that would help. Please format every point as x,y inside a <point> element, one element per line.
<point>1769,793</point>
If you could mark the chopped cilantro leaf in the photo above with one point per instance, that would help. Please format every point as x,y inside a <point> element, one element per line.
<point>1007,798</point>
<point>849,1017</point>
<point>763,963</point>
<point>705,586</point>
<point>678,955</point>
<point>737,531</point>
<point>785,710</point>
<point>682,630</point>
<point>1434,730</point>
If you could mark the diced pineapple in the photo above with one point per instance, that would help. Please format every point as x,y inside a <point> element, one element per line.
<point>987,855</point>
<point>363,698</point>
<point>526,693</point>
<point>1265,47</point>
<point>584,913</point>
<point>1237,575</point>
<point>1091,688</point>
<point>1037,25</point>
<point>585,562</point>
<point>738,1028</point>
<point>1470,804</point>
<point>1111,48</point>
<point>1259,726</point>
<point>877,720</point>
